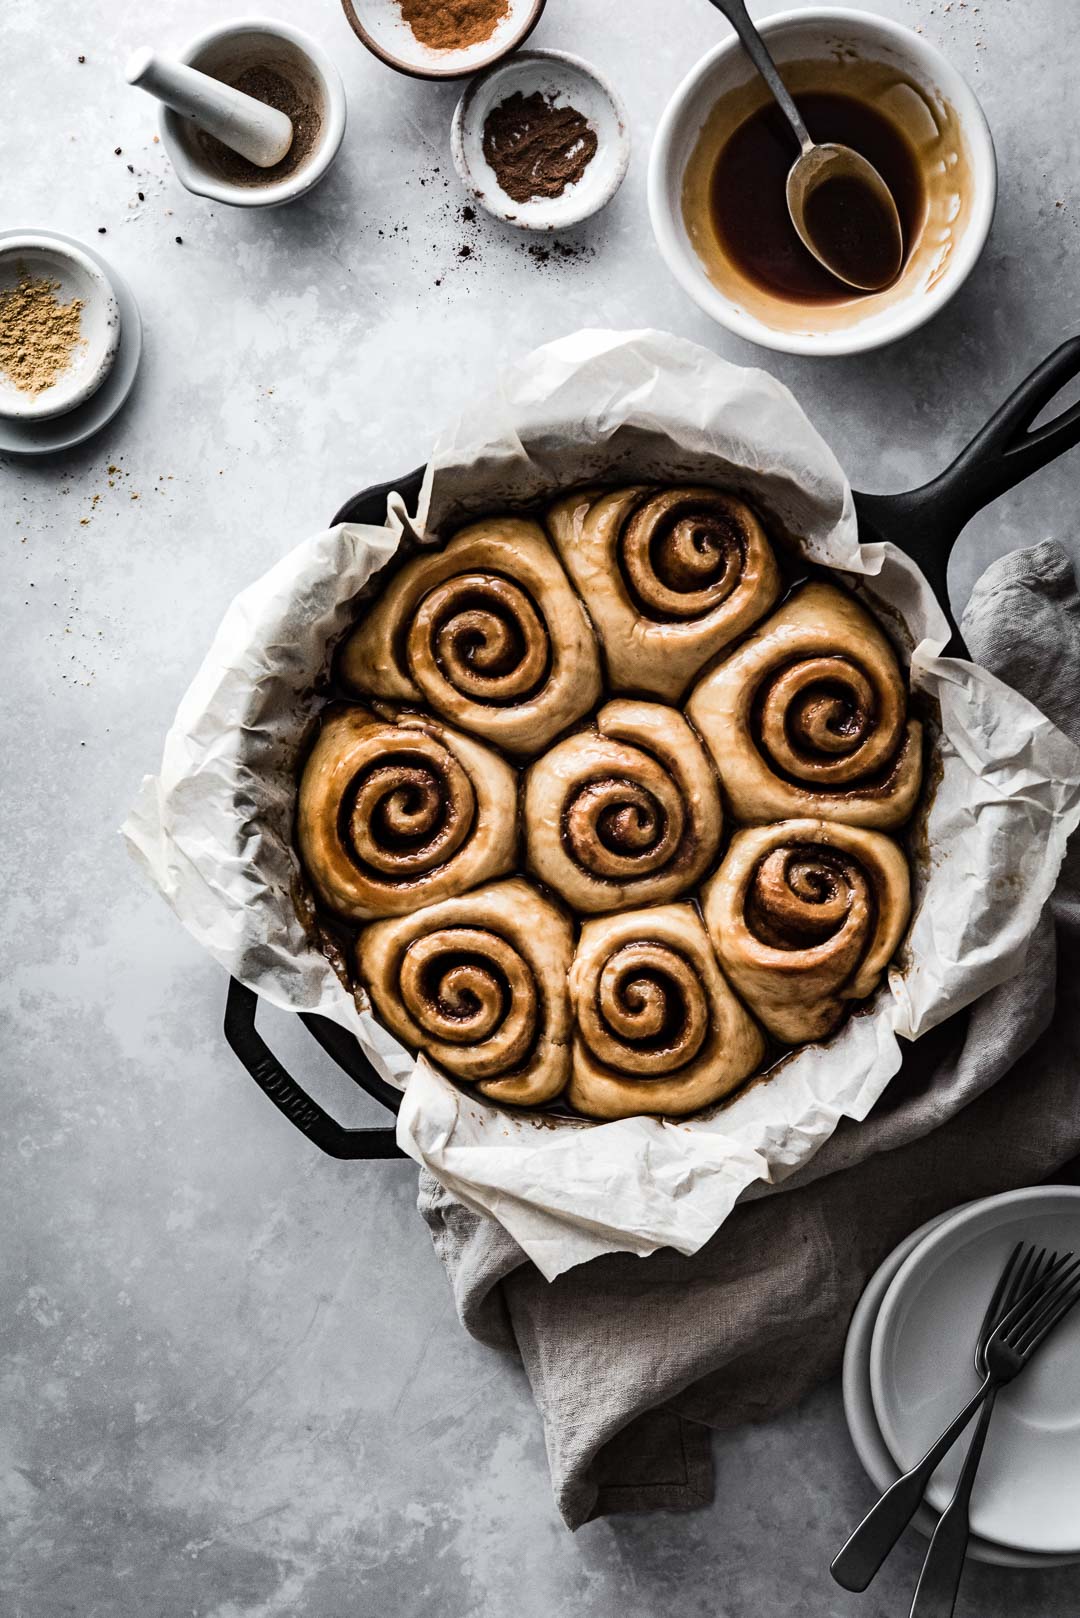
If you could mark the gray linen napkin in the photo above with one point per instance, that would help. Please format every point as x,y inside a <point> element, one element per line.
<point>632,1360</point>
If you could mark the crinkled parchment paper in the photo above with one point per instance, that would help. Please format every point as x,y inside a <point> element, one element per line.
<point>213,828</point>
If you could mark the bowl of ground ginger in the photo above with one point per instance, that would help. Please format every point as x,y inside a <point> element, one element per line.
<point>59,327</point>
<point>442,39</point>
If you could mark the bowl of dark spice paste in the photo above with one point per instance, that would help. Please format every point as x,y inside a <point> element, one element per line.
<point>541,141</point>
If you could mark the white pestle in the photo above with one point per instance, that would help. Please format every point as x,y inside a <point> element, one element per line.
<point>260,133</point>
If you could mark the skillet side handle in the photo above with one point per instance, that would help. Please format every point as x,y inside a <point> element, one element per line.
<point>1007,451</point>
<point>926,522</point>
<point>298,1107</point>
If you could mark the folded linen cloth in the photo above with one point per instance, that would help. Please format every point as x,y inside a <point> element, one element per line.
<point>632,1360</point>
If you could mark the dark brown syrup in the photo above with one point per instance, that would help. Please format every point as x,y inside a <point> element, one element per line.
<point>749,203</point>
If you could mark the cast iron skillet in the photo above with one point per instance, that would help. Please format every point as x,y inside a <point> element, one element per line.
<point>925,523</point>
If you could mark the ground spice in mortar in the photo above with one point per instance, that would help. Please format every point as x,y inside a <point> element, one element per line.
<point>451,25</point>
<point>38,333</point>
<point>273,88</point>
<point>536,148</point>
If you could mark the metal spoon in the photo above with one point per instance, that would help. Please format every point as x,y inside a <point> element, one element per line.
<point>840,206</point>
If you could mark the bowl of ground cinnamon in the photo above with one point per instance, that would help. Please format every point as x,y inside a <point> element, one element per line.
<point>541,141</point>
<point>442,39</point>
<point>59,327</point>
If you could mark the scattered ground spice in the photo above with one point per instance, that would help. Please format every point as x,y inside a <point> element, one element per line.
<point>536,148</point>
<point>38,333</point>
<point>451,25</point>
<point>275,90</point>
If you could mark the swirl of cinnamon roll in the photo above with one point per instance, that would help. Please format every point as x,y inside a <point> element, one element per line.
<point>478,984</point>
<point>670,577</point>
<point>487,631</point>
<point>805,916</point>
<point>809,717</point>
<point>395,815</point>
<point>625,813</point>
<point>658,1029</point>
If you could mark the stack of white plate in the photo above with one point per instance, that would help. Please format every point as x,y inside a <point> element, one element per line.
<point>909,1367</point>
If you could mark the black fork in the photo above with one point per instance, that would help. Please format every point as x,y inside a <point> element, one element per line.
<point>939,1581</point>
<point>1043,1294</point>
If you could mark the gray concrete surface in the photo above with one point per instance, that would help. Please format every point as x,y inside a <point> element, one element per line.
<point>233,1383</point>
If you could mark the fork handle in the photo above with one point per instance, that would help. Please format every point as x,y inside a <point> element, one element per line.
<point>939,1581</point>
<point>855,1565</point>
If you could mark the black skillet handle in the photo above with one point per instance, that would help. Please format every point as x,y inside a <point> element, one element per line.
<point>325,1132</point>
<point>926,522</point>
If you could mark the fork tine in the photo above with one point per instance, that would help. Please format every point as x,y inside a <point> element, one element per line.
<point>1065,1301</point>
<point>1039,1300</point>
<point>1030,1300</point>
<point>1001,1299</point>
<point>1052,1306</point>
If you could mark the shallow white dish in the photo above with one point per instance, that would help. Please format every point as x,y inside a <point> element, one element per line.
<point>921,1372</point>
<point>819,32</point>
<point>75,274</point>
<point>870,1447</point>
<point>380,25</point>
<point>570,81</point>
<point>51,434</point>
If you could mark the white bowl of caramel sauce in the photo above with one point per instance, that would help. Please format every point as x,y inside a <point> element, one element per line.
<point>722,152</point>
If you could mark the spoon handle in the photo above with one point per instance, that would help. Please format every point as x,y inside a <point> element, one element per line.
<point>737,15</point>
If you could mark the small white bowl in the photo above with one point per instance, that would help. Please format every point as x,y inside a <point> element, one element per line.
<point>380,26</point>
<point>571,82</point>
<point>223,52</point>
<point>827,33</point>
<point>45,258</point>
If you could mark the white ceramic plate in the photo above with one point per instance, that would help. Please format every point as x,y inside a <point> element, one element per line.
<point>50,435</point>
<point>570,82</point>
<point>1027,1494</point>
<point>870,1447</point>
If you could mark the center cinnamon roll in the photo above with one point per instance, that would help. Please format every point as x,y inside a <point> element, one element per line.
<point>670,577</point>
<point>488,632</point>
<point>392,815</point>
<point>658,1029</point>
<point>479,983</point>
<point>625,813</point>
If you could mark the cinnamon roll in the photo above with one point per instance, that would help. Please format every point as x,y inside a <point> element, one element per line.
<point>625,813</point>
<point>658,1029</point>
<point>488,632</point>
<point>809,717</point>
<point>804,917</point>
<point>670,576</point>
<point>478,983</point>
<point>395,815</point>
